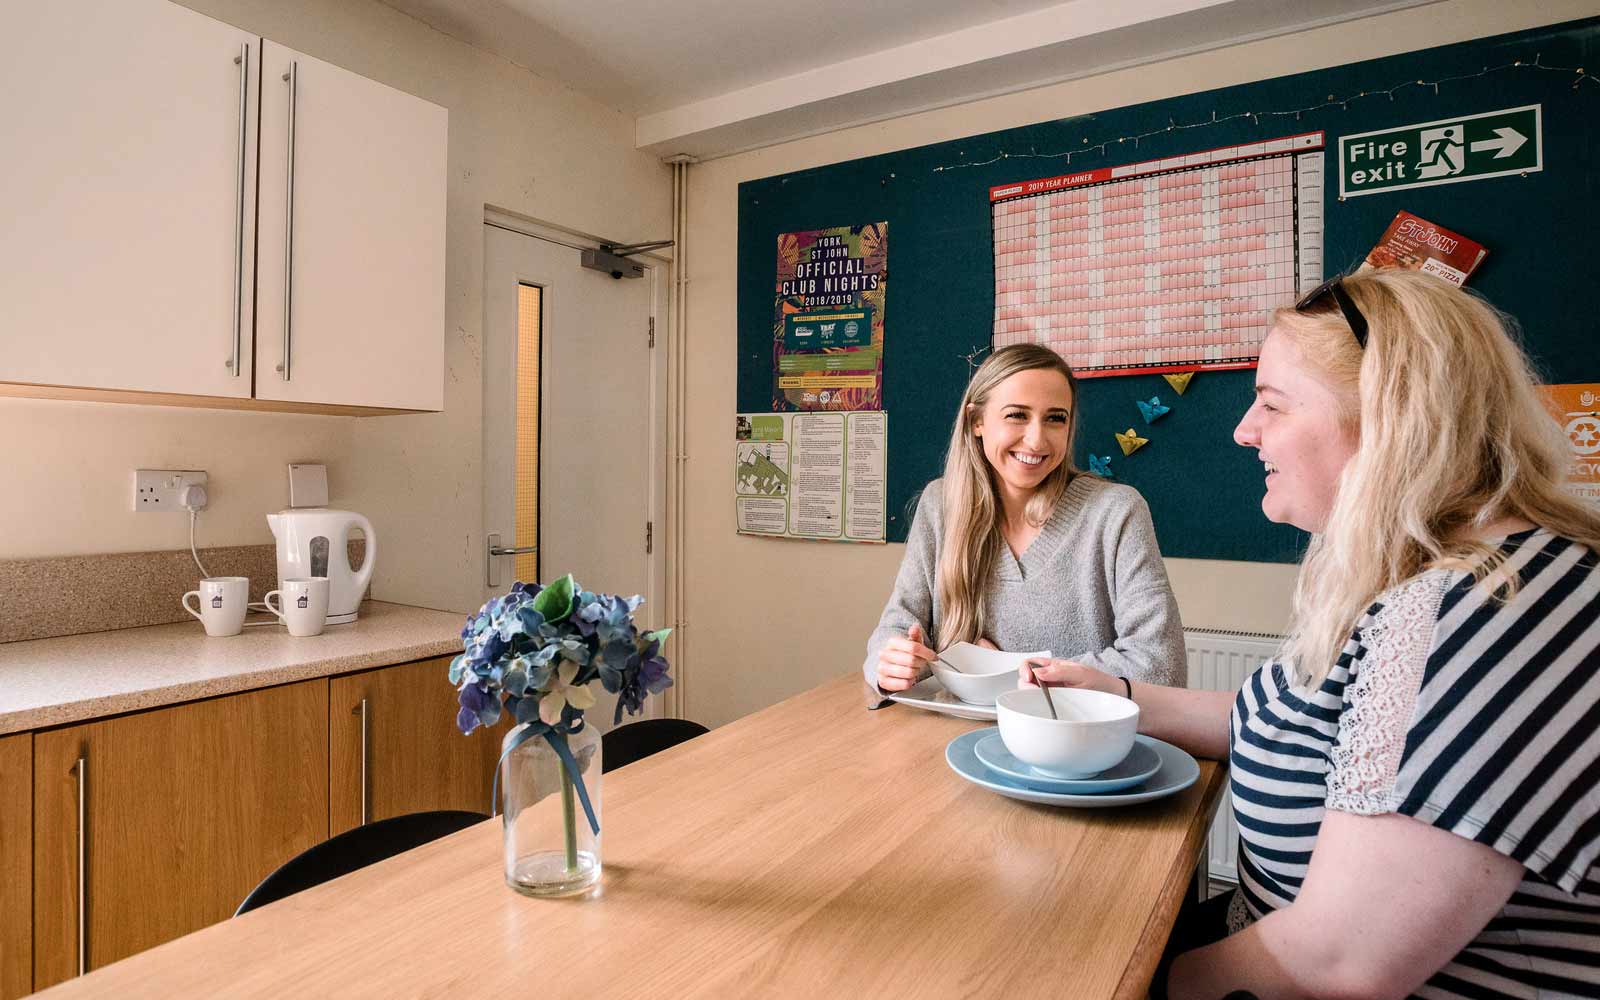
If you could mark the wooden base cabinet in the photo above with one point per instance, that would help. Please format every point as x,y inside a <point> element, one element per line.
<point>395,748</point>
<point>176,813</point>
<point>16,865</point>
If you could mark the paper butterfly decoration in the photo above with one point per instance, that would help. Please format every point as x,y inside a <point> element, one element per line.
<point>1131,441</point>
<point>1100,465</point>
<point>1180,381</point>
<point>1152,409</point>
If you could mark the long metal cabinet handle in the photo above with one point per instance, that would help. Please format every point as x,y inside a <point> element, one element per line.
<point>363,711</point>
<point>237,361</point>
<point>83,872</point>
<point>293,79</point>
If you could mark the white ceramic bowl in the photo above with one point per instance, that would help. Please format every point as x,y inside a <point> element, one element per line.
<point>976,689</point>
<point>1095,730</point>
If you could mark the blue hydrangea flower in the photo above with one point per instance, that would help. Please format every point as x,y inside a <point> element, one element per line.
<point>539,647</point>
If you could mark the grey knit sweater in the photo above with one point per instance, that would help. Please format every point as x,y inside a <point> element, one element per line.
<point>1091,588</point>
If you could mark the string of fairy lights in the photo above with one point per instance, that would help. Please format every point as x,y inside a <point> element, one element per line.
<point>1580,76</point>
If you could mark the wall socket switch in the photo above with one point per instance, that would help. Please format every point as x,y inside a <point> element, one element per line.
<point>156,490</point>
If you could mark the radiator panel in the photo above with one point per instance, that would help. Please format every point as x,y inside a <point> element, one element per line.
<point>1220,661</point>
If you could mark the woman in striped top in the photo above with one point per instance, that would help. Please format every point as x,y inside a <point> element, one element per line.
<point>1416,776</point>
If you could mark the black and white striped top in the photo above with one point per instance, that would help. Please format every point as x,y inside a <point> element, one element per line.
<point>1473,715</point>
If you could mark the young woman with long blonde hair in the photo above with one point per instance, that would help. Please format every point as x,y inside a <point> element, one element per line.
<point>1416,776</point>
<point>1014,548</point>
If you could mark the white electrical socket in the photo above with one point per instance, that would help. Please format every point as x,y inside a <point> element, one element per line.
<point>156,490</point>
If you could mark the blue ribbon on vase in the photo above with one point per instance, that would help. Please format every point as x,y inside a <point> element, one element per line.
<point>556,736</point>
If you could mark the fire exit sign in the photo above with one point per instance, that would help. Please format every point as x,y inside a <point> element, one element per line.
<point>1448,151</point>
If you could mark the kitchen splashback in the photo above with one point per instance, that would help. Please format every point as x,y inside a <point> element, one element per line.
<point>70,595</point>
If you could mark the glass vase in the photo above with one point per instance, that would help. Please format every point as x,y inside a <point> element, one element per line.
<point>551,848</point>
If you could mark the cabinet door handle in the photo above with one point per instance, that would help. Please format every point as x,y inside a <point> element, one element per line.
<point>237,361</point>
<point>83,872</point>
<point>293,79</point>
<point>362,711</point>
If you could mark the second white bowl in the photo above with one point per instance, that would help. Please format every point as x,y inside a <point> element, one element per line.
<point>1095,730</point>
<point>976,689</point>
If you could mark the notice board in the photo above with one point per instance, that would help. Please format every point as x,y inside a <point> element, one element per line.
<point>1203,490</point>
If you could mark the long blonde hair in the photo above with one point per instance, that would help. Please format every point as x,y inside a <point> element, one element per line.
<point>972,511</point>
<point>1453,437</point>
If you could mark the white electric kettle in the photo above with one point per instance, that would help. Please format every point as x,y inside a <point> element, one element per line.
<point>315,541</point>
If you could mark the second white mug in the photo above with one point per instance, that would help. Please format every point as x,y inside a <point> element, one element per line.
<point>302,604</point>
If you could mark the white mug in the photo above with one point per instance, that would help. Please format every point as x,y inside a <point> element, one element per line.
<point>302,604</point>
<point>222,604</point>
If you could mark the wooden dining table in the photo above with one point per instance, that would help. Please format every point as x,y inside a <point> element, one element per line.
<point>811,849</point>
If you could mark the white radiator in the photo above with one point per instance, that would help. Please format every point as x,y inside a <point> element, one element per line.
<point>1220,661</point>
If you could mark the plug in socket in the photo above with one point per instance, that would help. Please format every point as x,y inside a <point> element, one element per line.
<point>156,490</point>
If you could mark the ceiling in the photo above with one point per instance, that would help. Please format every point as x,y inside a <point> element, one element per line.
<point>707,78</point>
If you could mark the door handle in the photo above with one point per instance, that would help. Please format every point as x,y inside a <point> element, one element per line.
<point>237,361</point>
<point>361,710</point>
<point>292,78</point>
<point>83,873</point>
<point>491,575</point>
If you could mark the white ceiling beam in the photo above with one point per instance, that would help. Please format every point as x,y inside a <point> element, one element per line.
<point>1069,41</point>
<point>981,43</point>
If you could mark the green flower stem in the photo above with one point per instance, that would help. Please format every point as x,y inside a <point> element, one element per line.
<point>569,820</point>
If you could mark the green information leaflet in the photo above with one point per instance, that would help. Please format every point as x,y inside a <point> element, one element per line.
<point>811,475</point>
<point>1447,151</point>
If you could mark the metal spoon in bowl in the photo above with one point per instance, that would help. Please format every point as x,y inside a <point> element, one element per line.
<point>1044,689</point>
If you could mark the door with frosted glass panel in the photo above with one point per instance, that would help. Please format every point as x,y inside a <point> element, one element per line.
<point>574,449</point>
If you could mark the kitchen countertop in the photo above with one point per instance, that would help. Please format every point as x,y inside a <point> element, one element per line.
<point>49,682</point>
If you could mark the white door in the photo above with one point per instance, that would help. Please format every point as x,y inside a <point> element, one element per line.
<point>364,286</point>
<point>574,424</point>
<point>127,197</point>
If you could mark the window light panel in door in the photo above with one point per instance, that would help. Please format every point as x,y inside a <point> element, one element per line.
<point>529,302</point>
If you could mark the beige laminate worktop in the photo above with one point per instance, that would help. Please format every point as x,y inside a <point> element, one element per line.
<point>48,682</point>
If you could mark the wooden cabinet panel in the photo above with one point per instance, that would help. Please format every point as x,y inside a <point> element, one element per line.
<point>367,278</point>
<point>16,865</point>
<point>186,809</point>
<point>119,188</point>
<point>416,758</point>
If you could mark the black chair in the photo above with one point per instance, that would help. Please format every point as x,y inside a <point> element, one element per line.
<point>356,849</point>
<point>638,740</point>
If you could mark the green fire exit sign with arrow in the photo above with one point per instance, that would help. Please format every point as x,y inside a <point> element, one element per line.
<point>1447,151</point>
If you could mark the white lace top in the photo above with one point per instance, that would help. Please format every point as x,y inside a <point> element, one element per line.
<point>1477,716</point>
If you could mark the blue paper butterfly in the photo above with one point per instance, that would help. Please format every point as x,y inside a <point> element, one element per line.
<point>1152,409</point>
<point>1100,465</point>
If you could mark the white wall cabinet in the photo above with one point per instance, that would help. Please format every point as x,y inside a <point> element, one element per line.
<point>364,284</point>
<point>125,260</point>
<point>139,256</point>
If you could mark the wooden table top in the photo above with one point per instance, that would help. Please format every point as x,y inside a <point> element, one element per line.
<point>813,849</point>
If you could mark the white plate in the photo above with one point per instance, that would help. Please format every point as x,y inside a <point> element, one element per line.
<point>1178,771</point>
<point>930,695</point>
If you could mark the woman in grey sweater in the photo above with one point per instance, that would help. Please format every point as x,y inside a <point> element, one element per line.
<point>1015,548</point>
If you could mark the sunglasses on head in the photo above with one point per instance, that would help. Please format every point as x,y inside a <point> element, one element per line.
<point>1334,286</point>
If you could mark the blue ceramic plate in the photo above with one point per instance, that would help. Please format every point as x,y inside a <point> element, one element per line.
<point>1142,761</point>
<point>1178,771</point>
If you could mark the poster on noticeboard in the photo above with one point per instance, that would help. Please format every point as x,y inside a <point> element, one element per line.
<point>827,329</point>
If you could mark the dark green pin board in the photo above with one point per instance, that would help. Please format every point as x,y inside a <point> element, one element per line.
<point>1204,491</point>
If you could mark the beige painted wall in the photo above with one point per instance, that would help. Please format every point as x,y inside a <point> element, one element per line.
<point>770,618</point>
<point>517,142</point>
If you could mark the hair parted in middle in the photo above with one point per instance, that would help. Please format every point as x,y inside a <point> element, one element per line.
<point>972,509</point>
<point>1452,436</point>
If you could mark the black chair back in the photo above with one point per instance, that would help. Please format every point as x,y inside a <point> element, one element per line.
<point>638,740</point>
<point>355,849</point>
